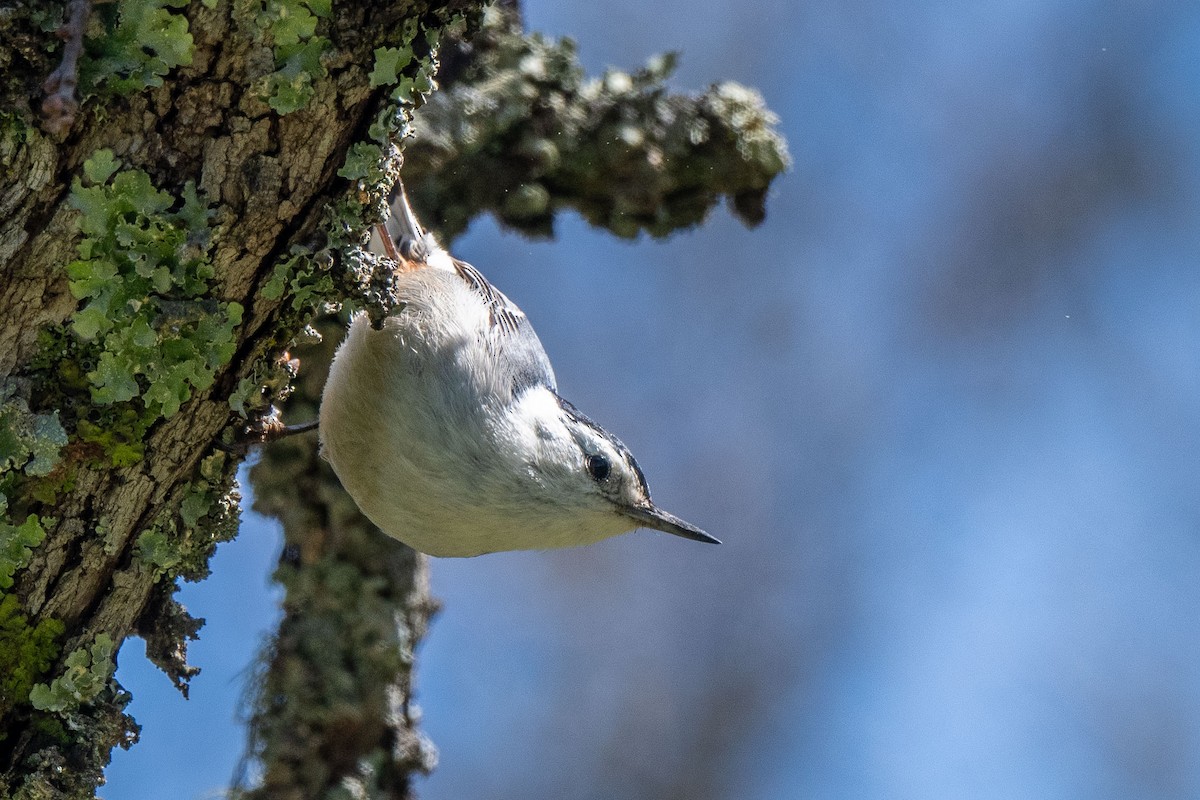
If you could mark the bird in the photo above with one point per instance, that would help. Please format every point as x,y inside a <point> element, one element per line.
<point>445,425</point>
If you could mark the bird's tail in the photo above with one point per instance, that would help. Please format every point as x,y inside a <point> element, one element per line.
<point>411,242</point>
<point>406,224</point>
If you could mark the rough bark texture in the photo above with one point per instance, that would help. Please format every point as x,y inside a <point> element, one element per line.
<point>183,188</point>
<point>133,332</point>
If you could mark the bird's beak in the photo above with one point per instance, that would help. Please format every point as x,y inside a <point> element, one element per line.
<point>650,516</point>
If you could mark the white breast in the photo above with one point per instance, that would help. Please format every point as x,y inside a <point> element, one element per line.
<point>419,427</point>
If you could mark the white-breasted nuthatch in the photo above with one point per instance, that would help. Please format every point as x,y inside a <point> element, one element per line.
<point>446,428</point>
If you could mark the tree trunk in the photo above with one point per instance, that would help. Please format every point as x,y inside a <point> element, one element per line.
<point>158,250</point>
<point>183,187</point>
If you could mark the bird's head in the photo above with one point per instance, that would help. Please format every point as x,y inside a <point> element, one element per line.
<point>595,474</point>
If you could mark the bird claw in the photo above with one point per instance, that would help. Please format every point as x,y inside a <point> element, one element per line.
<point>266,429</point>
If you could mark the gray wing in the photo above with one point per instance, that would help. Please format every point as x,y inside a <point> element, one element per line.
<point>517,345</point>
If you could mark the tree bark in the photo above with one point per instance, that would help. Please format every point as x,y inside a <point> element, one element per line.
<point>183,188</point>
<point>158,249</point>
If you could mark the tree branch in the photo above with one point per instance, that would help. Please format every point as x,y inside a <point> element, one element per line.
<point>60,106</point>
<point>522,134</point>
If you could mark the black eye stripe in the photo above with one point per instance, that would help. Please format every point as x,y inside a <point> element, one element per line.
<point>598,467</point>
<point>573,413</point>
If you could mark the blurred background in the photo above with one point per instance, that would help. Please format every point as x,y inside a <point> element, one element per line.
<point>941,407</point>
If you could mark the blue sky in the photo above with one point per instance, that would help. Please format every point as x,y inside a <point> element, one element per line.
<point>941,407</point>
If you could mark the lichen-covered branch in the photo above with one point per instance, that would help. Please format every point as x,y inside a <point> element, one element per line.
<point>522,133</point>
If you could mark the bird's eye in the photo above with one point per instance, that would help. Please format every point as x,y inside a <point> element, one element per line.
<point>598,467</point>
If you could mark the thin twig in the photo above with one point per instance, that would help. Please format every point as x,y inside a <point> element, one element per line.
<point>60,106</point>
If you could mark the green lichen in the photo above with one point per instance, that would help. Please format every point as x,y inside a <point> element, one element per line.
<point>142,277</point>
<point>140,41</point>
<point>17,542</point>
<point>48,489</point>
<point>119,436</point>
<point>306,282</point>
<point>26,652</point>
<point>523,133</point>
<point>363,162</point>
<point>304,279</point>
<point>290,26</point>
<point>86,674</point>
<point>156,550</point>
<point>373,167</point>
<point>245,397</point>
<point>413,85</point>
<point>29,442</point>
<point>14,132</point>
<point>411,78</point>
<point>181,541</point>
<point>389,61</point>
<point>29,452</point>
<point>270,381</point>
<point>110,540</point>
